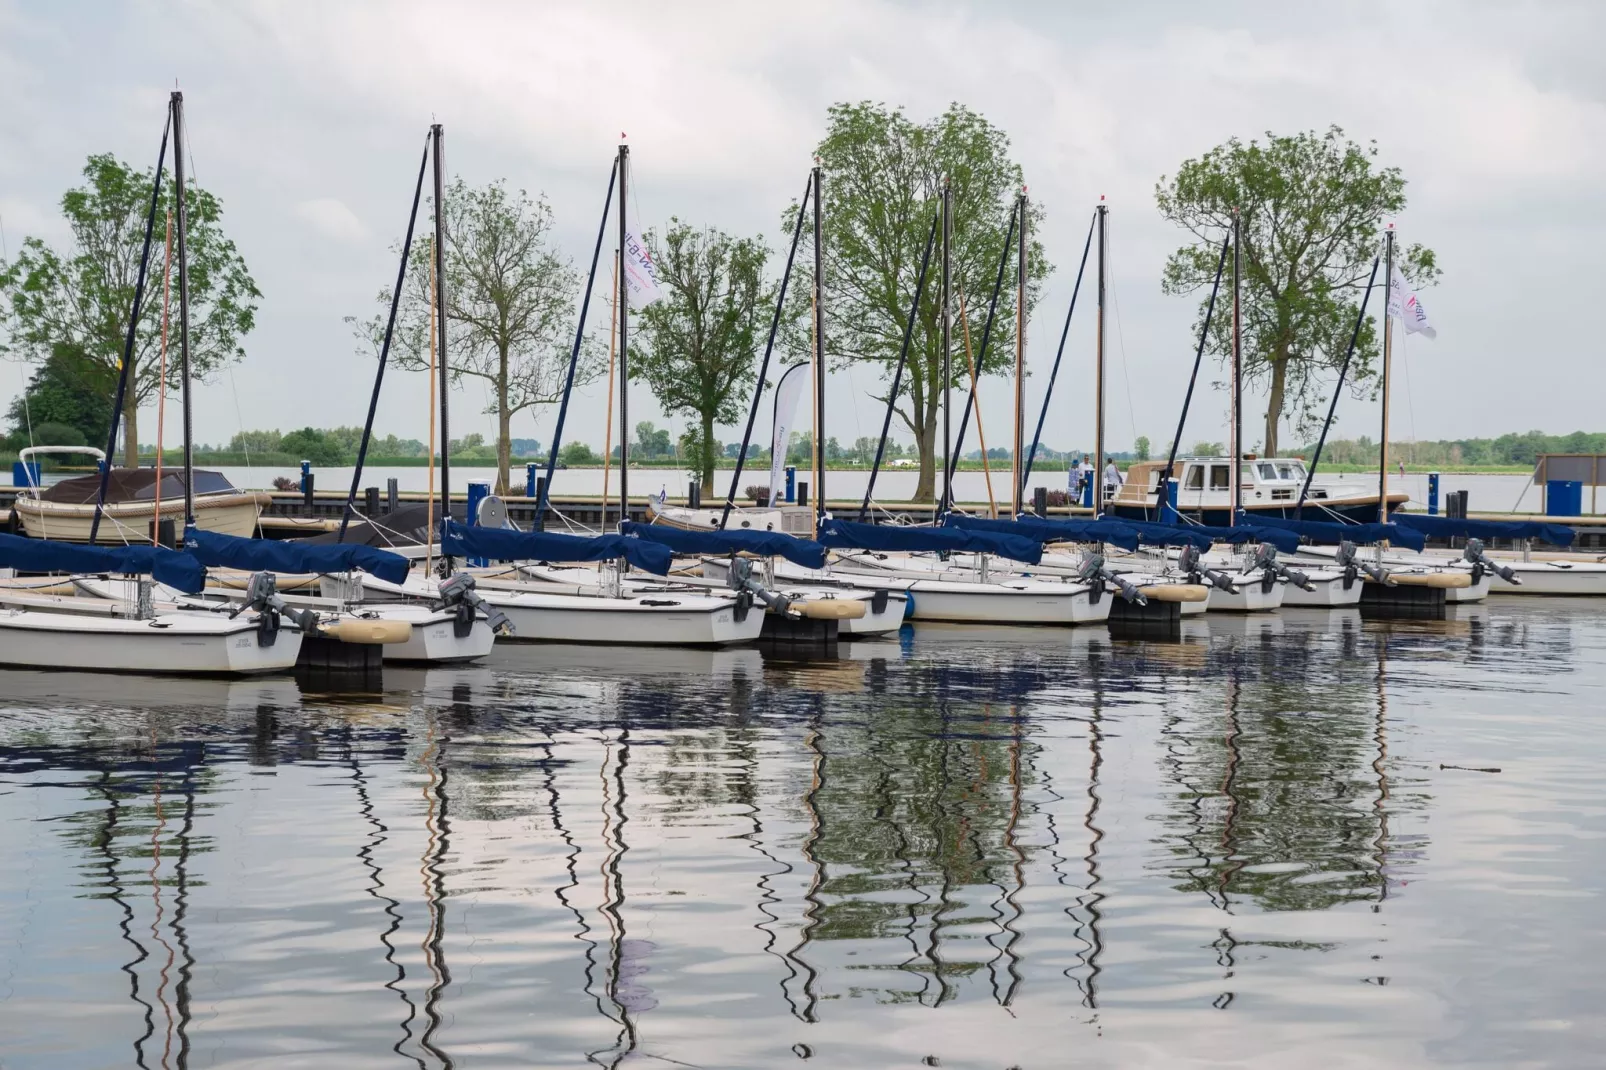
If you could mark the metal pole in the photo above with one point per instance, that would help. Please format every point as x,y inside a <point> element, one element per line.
<point>624,345</point>
<point>1235,470</point>
<point>947,339</point>
<point>438,143</point>
<point>819,341</point>
<point>1017,467</point>
<point>1098,375</point>
<point>1388,332</point>
<point>177,101</point>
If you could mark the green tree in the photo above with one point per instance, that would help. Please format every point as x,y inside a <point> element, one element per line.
<point>511,301</point>
<point>883,175</point>
<point>256,442</point>
<point>1312,207</point>
<point>79,297</point>
<point>1140,448</point>
<point>1208,449</point>
<point>699,343</point>
<point>575,454</point>
<point>312,444</point>
<point>652,442</point>
<point>66,390</point>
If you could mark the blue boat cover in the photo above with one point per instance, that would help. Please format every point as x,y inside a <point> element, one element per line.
<point>42,555</point>
<point>1044,530</point>
<point>1284,540</point>
<point>1155,534</point>
<point>264,555</point>
<point>506,544</point>
<point>843,534</point>
<point>1445,527</point>
<point>1329,533</point>
<point>803,552</point>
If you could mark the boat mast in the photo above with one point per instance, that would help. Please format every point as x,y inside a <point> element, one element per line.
<point>819,345</point>
<point>947,340</point>
<point>1234,469</point>
<point>177,103</point>
<point>438,151</point>
<point>1017,467</point>
<point>1388,338</point>
<point>1098,374</point>
<point>623,301</point>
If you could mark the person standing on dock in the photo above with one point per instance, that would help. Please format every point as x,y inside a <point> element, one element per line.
<point>1112,478</point>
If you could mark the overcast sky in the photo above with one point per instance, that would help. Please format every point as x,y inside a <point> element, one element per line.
<point>307,119</point>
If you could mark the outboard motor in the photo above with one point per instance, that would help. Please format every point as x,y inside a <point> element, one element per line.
<point>1188,561</point>
<point>1266,558</point>
<point>1473,552</point>
<point>739,578</point>
<point>1350,561</point>
<point>1093,571</point>
<point>262,595</point>
<point>458,595</point>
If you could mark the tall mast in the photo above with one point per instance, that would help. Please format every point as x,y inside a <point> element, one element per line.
<point>1235,469</point>
<point>819,344</point>
<point>176,101</point>
<point>947,340</point>
<point>1388,338</point>
<point>1098,375</point>
<point>437,140</point>
<point>623,303</point>
<point>1018,467</point>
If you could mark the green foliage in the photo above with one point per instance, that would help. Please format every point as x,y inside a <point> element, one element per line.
<point>700,342</point>
<point>50,433</point>
<point>1140,448</point>
<point>883,175</point>
<point>652,443</point>
<point>319,447</point>
<point>1312,208</point>
<point>510,299</point>
<point>269,441</point>
<point>79,297</point>
<point>1208,449</point>
<point>66,390</point>
<point>1512,450</point>
<point>577,454</point>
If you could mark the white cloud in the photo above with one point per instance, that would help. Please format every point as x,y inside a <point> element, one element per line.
<point>330,217</point>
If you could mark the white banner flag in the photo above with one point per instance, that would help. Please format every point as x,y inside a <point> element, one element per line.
<point>786,395</point>
<point>1404,306</point>
<point>641,276</point>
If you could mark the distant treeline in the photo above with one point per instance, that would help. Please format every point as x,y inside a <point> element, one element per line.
<point>1508,450</point>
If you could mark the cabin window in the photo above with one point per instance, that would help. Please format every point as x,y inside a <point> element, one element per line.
<point>1195,477</point>
<point>1154,478</point>
<point>1246,474</point>
<point>1286,471</point>
<point>1269,471</point>
<point>1219,478</point>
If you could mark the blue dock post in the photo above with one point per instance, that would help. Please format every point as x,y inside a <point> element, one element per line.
<point>1564,497</point>
<point>1168,507</point>
<point>306,472</point>
<point>791,484</point>
<point>1433,494</point>
<point>1087,490</point>
<point>529,480</point>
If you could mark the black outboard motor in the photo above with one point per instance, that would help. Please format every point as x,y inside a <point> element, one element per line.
<point>1266,558</point>
<point>1095,573</point>
<point>740,579</point>
<point>458,594</point>
<point>1473,552</point>
<point>1188,561</point>
<point>262,595</point>
<point>1350,561</point>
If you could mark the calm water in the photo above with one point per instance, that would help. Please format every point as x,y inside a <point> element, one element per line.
<point>965,849</point>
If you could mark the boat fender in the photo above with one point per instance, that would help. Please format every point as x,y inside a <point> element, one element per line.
<point>1178,592</point>
<point>908,604</point>
<point>361,632</point>
<point>830,609</point>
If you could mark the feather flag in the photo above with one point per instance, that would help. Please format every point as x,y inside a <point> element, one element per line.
<point>1407,308</point>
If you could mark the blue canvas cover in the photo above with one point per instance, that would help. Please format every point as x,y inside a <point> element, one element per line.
<point>846,535</point>
<point>1044,530</point>
<point>265,555</point>
<point>1155,534</point>
<point>803,552</point>
<point>1328,533</point>
<point>1284,540</point>
<point>1444,527</point>
<point>506,544</point>
<point>43,555</point>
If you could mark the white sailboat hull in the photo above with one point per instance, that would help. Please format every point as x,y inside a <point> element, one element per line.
<point>179,643</point>
<point>1248,596</point>
<point>129,522</point>
<point>1330,591</point>
<point>1011,601</point>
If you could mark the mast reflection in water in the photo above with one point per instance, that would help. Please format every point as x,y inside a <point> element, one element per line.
<point>971,848</point>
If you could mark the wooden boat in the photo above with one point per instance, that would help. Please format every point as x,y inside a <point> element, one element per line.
<point>65,511</point>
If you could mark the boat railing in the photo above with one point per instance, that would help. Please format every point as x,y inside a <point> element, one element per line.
<point>30,472</point>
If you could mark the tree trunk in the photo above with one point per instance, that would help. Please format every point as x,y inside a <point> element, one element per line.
<point>1274,403</point>
<point>708,454</point>
<point>504,421</point>
<point>926,444</point>
<point>130,432</point>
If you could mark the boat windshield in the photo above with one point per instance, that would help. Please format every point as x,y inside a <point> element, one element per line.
<point>1195,477</point>
<point>1269,471</point>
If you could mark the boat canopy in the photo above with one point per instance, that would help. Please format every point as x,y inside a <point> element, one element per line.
<point>1448,527</point>
<point>1044,530</point>
<point>508,544</point>
<point>802,552</point>
<point>1329,533</point>
<point>1238,534</point>
<point>844,534</point>
<point>1155,534</point>
<point>171,567</point>
<point>265,555</point>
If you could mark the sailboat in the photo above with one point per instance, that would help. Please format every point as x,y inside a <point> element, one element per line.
<point>49,630</point>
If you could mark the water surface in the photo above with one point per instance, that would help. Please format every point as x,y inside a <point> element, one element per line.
<point>1294,840</point>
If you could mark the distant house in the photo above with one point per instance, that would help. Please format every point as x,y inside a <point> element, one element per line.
<point>903,462</point>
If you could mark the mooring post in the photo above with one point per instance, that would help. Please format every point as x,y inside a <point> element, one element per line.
<point>392,494</point>
<point>694,495</point>
<point>307,483</point>
<point>1433,494</point>
<point>791,484</point>
<point>370,496</point>
<point>529,480</point>
<point>306,475</point>
<point>1040,501</point>
<point>1168,508</point>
